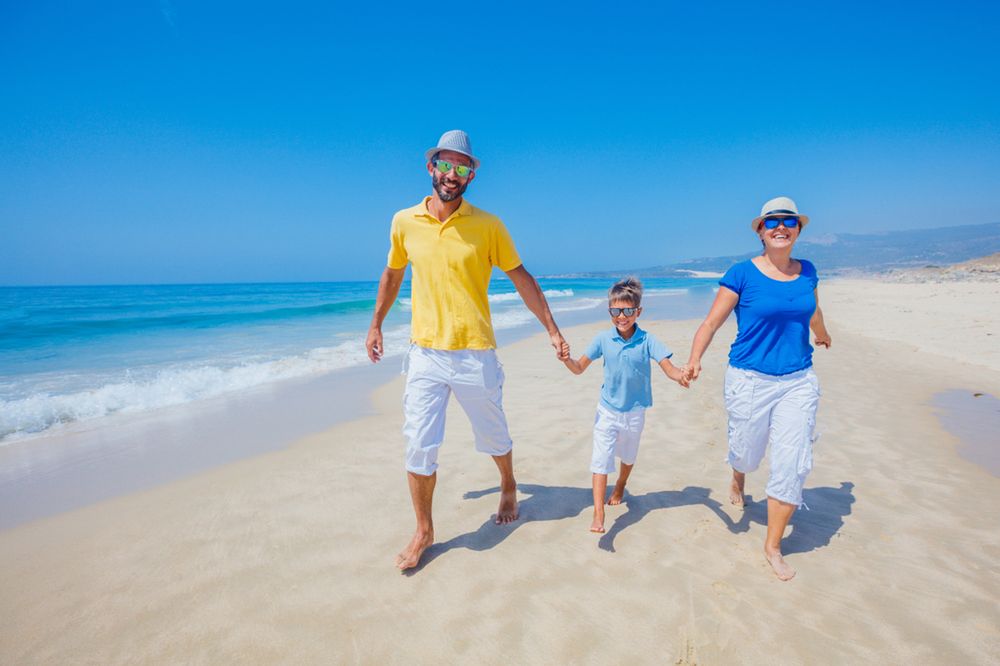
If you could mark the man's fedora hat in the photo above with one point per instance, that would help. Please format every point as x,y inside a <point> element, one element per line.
<point>456,141</point>
<point>779,206</point>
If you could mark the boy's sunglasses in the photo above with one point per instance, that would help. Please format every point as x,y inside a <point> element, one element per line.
<point>628,312</point>
<point>773,222</point>
<point>461,170</point>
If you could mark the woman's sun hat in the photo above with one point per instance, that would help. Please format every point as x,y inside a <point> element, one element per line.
<point>456,141</point>
<point>779,206</point>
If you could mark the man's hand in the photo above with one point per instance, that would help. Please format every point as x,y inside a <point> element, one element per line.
<point>560,345</point>
<point>374,344</point>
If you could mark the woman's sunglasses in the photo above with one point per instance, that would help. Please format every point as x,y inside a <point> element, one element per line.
<point>773,222</point>
<point>628,312</point>
<point>461,170</point>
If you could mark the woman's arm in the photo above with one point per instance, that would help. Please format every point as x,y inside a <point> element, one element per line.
<point>818,326</point>
<point>723,306</point>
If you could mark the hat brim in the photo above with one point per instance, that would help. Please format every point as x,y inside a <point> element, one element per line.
<point>431,151</point>
<point>803,220</point>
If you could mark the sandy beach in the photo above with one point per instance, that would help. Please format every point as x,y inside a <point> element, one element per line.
<point>286,557</point>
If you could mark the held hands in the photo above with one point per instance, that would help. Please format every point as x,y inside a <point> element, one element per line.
<point>691,371</point>
<point>560,345</point>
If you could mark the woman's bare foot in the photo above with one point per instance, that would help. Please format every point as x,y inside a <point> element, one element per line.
<point>507,511</point>
<point>598,525</point>
<point>736,496</point>
<point>617,495</point>
<point>409,557</point>
<point>781,568</point>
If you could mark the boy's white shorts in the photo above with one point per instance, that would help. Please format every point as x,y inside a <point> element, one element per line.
<point>475,377</point>
<point>780,410</point>
<point>616,434</point>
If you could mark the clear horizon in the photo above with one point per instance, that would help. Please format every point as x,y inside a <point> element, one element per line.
<point>178,143</point>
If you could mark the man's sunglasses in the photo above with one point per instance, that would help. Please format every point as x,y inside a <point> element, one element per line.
<point>773,222</point>
<point>461,170</point>
<point>628,312</point>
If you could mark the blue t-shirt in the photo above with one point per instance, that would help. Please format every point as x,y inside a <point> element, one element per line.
<point>627,382</point>
<point>773,319</point>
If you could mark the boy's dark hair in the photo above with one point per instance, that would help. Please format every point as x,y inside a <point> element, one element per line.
<point>629,289</point>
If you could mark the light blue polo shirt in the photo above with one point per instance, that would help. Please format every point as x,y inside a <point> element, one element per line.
<point>627,382</point>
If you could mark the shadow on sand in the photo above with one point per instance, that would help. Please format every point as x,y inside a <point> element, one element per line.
<point>811,529</point>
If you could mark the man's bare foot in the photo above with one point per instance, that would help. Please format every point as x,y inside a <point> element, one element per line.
<point>409,557</point>
<point>736,488</point>
<point>616,496</point>
<point>507,512</point>
<point>781,568</point>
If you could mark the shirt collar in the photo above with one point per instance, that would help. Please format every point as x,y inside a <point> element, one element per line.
<point>464,208</point>
<point>636,337</point>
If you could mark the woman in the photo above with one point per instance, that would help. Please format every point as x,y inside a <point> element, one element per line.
<point>771,391</point>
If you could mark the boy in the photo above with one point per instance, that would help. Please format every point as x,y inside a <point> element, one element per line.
<point>626,392</point>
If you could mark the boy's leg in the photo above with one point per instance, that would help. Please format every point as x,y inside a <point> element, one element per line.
<point>627,448</point>
<point>600,489</point>
<point>619,492</point>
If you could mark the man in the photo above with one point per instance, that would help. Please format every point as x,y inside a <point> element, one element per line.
<point>453,247</point>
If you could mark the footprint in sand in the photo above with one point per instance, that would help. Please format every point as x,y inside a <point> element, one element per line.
<point>723,588</point>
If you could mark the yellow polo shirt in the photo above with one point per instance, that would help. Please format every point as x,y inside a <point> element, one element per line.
<point>452,262</point>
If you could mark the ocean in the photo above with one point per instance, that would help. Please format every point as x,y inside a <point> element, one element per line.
<point>81,354</point>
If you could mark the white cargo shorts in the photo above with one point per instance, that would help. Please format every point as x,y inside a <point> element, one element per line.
<point>777,409</point>
<point>616,434</point>
<point>475,377</point>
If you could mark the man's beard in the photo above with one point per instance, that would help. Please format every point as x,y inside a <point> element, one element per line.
<point>444,194</point>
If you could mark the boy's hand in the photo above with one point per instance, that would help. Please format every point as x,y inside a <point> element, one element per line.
<point>564,351</point>
<point>692,370</point>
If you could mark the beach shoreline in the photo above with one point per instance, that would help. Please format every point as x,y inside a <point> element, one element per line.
<point>287,556</point>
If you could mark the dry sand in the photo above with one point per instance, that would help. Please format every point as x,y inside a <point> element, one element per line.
<point>287,557</point>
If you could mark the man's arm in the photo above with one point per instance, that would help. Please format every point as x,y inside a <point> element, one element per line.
<point>388,289</point>
<point>531,294</point>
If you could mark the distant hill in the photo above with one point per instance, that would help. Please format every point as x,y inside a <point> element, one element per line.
<point>840,253</point>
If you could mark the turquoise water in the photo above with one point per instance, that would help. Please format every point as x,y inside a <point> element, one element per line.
<point>76,353</point>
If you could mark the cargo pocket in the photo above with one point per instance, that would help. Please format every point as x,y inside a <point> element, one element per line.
<point>738,393</point>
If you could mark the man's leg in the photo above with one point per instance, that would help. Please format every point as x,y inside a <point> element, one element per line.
<point>507,511</point>
<point>422,495</point>
<point>425,399</point>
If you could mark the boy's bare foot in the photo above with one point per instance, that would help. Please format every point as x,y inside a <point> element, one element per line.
<point>409,557</point>
<point>736,488</point>
<point>597,526</point>
<point>507,511</point>
<point>781,568</point>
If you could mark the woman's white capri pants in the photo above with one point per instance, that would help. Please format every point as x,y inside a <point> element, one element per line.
<point>777,409</point>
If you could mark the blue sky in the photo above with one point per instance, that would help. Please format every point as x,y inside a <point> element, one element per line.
<point>174,141</point>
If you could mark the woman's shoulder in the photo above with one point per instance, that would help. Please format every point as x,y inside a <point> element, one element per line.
<point>808,268</point>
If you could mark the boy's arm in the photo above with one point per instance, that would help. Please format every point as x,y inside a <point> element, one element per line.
<point>578,366</point>
<point>675,373</point>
